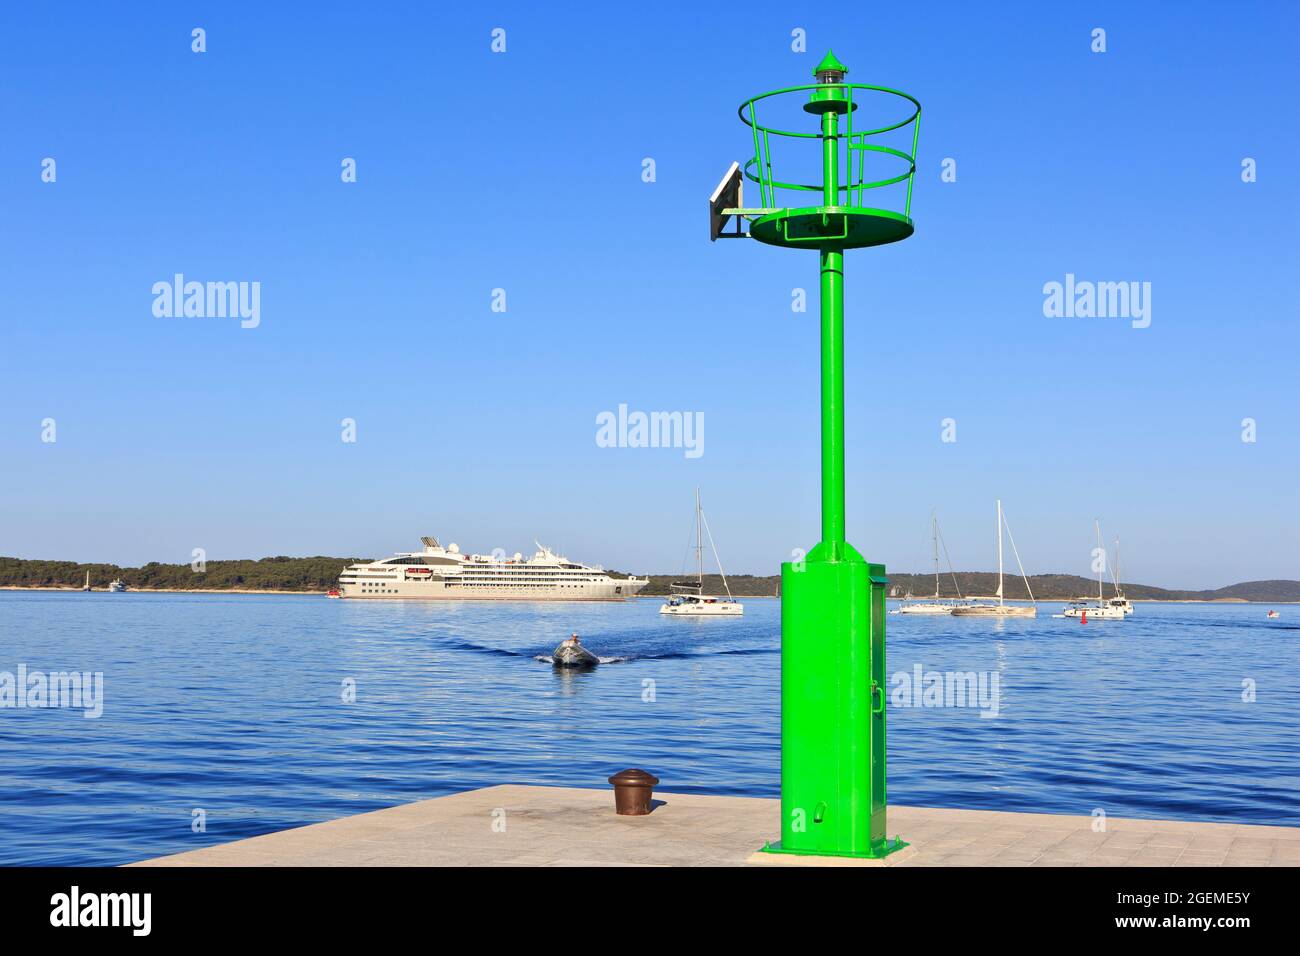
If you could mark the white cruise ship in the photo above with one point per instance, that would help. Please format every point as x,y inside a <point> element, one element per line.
<point>444,574</point>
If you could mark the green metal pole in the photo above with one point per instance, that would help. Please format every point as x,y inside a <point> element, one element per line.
<point>832,602</point>
<point>832,321</point>
<point>832,263</point>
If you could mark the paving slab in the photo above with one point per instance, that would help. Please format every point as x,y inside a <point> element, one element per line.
<point>562,826</point>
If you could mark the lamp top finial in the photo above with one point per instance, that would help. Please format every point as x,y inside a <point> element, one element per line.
<point>830,64</point>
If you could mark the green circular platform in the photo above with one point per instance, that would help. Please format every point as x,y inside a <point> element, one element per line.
<point>837,227</point>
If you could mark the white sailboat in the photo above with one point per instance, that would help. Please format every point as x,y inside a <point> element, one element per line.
<point>936,604</point>
<point>1119,600</point>
<point>1117,608</point>
<point>689,600</point>
<point>1001,608</point>
<point>86,586</point>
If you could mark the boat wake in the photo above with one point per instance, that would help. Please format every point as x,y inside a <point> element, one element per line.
<point>484,649</point>
<point>721,652</point>
<point>673,655</point>
<point>669,655</point>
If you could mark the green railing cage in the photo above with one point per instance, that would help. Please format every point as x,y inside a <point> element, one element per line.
<point>856,207</point>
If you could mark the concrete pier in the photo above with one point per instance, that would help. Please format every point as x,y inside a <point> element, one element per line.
<point>558,826</point>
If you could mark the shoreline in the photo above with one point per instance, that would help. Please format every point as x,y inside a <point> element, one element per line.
<point>76,590</point>
<point>640,597</point>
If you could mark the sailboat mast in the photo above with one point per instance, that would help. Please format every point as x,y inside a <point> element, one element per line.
<point>1114,571</point>
<point>1116,577</point>
<point>699,542</point>
<point>717,560</point>
<point>934,532</point>
<point>1101,566</point>
<point>999,551</point>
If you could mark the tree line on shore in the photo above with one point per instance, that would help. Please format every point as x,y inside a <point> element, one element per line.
<point>321,573</point>
<point>268,574</point>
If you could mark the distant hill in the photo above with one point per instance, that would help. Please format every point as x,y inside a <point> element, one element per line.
<point>269,574</point>
<point>742,585</point>
<point>1256,591</point>
<point>321,573</point>
<point>1053,587</point>
<point>1046,587</point>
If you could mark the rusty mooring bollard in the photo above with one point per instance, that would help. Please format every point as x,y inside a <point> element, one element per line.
<point>633,789</point>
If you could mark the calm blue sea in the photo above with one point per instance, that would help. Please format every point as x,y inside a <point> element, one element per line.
<point>234,705</point>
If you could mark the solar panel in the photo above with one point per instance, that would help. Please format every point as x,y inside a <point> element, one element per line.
<point>726,196</point>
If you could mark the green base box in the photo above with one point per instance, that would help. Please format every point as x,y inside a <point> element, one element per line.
<point>833,706</point>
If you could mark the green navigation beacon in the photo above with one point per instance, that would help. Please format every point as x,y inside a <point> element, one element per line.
<point>832,601</point>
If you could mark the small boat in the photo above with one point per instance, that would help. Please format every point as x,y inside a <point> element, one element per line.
<point>700,605</point>
<point>86,586</point>
<point>923,608</point>
<point>996,610</point>
<point>1101,609</point>
<point>936,604</point>
<point>1001,609</point>
<point>689,599</point>
<point>1273,615</point>
<point>914,605</point>
<point>1121,602</point>
<point>572,654</point>
<point>116,586</point>
<point>334,593</point>
<point>1089,607</point>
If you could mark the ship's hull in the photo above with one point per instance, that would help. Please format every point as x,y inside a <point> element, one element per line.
<point>925,609</point>
<point>1096,613</point>
<point>570,655</point>
<point>703,610</point>
<point>1005,610</point>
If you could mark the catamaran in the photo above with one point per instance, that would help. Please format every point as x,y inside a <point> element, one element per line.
<point>936,604</point>
<point>1001,609</point>
<point>688,599</point>
<point>1115,609</point>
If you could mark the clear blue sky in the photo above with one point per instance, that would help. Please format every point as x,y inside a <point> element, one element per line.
<point>522,171</point>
